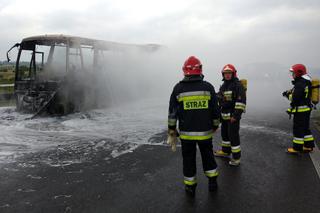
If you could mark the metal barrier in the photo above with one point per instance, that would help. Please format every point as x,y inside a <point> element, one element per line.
<point>6,91</point>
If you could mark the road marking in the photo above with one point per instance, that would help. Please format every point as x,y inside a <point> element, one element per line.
<point>315,157</point>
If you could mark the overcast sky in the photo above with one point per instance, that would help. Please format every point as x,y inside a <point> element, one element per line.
<point>224,31</point>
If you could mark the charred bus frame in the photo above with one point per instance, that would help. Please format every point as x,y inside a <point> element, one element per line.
<point>55,95</point>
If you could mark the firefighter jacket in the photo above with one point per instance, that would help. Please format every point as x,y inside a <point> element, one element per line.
<point>232,99</point>
<point>300,95</point>
<point>194,104</point>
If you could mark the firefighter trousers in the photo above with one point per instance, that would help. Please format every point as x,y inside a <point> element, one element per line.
<point>302,135</point>
<point>231,138</point>
<point>189,149</point>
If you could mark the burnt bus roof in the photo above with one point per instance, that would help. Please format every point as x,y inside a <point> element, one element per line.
<point>56,39</point>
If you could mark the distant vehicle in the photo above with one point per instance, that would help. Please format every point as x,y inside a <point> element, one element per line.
<point>55,73</point>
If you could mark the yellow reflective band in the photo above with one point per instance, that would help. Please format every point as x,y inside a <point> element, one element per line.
<point>236,150</point>
<point>196,104</point>
<point>298,141</point>
<point>240,105</point>
<point>196,135</point>
<point>226,144</point>
<point>172,122</point>
<point>290,97</point>
<point>300,109</point>
<point>228,95</point>
<point>194,93</point>
<point>194,98</point>
<point>306,90</point>
<point>189,183</point>
<point>304,110</point>
<point>216,122</point>
<point>211,173</point>
<point>308,139</point>
<point>197,138</point>
<point>226,116</point>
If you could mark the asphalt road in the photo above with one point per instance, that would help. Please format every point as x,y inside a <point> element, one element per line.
<point>149,179</point>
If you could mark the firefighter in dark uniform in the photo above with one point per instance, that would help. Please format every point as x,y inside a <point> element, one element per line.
<point>193,103</point>
<point>232,101</point>
<point>300,97</point>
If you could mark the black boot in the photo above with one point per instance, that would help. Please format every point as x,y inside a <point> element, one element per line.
<point>213,184</point>
<point>191,190</point>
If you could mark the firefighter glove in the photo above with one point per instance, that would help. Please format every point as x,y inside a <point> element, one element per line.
<point>172,139</point>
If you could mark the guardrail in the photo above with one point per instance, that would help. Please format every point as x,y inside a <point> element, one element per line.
<point>6,85</point>
<point>6,91</point>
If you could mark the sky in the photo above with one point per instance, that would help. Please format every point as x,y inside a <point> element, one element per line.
<point>217,31</point>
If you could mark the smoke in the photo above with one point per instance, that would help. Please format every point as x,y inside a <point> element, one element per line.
<point>134,75</point>
<point>138,75</point>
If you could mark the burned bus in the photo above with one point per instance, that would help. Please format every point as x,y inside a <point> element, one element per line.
<point>55,73</point>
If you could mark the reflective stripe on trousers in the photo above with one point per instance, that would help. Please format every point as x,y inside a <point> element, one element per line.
<point>308,138</point>
<point>190,181</point>
<point>226,144</point>
<point>298,140</point>
<point>235,149</point>
<point>212,173</point>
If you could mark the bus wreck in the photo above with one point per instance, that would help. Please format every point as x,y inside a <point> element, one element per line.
<point>54,73</point>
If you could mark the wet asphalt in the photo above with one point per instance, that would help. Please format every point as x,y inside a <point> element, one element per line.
<point>149,179</point>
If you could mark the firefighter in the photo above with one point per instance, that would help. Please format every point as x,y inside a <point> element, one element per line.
<point>232,101</point>
<point>193,103</point>
<point>300,97</point>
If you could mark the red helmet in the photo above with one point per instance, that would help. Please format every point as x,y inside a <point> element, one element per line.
<point>192,66</point>
<point>229,68</point>
<point>299,70</point>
